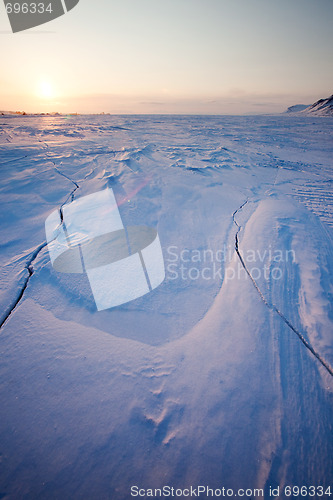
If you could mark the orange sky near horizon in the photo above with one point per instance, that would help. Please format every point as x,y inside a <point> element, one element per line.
<point>180,56</point>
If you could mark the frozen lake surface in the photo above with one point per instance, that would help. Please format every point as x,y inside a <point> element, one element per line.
<point>222,375</point>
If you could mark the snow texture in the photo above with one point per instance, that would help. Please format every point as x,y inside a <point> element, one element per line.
<point>220,376</point>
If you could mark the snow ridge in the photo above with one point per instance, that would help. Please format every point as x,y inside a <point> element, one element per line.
<point>273,307</point>
<point>36,252</point>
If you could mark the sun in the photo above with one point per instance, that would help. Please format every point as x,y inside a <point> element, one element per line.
<point>45,90</point>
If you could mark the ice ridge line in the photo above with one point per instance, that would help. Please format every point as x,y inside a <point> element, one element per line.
<point>71,195</point>
<point>15,159</point>
<point>30,269</point>
<point>273,307</point>
<point>34,255</point>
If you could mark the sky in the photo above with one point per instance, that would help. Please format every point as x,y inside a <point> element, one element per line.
<point>170,56</point>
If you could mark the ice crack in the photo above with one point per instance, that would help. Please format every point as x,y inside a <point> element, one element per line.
<point>30,269</point>
<point>34,255</point>
<point>270,306</point>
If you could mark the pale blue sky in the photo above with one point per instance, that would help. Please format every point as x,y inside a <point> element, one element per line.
<point>179,56</point>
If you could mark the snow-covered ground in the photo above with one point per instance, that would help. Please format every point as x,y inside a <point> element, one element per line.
<point>221,376</point>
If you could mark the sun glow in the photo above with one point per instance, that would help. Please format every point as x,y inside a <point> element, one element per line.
<point>45,90</point>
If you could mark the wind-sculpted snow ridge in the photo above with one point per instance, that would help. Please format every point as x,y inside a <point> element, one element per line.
<point>317,194</point>
<point>272,306</point>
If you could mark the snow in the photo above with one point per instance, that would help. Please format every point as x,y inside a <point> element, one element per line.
<point>206,379</point>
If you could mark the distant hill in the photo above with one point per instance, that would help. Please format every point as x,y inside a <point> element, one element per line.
<point>296,108</point>
<point>323,107</point>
